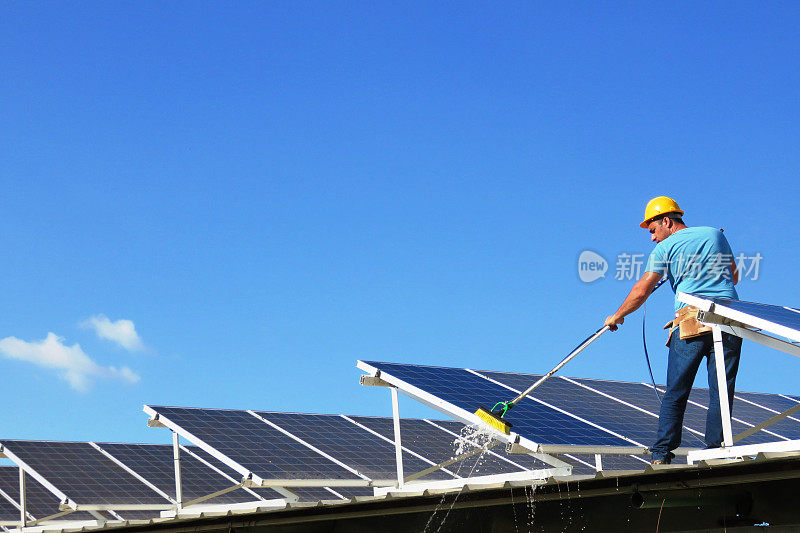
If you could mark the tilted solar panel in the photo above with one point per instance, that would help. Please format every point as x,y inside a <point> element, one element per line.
<point>531,419</point>
<point>627,410</point>
<point>83,473</point>
<point>253,444</point>
<point>784,316</point>
<point>774,319</point>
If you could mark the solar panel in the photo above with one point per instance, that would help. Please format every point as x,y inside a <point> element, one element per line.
<point>252,444</point>
<point>783,316</point>
<point>83,473</point>
<point>467,391</point>
<point>629,410</point>
<point>775,319</point>
<point>345,441</point>
<point>155,463</point>
<point>41,503</point>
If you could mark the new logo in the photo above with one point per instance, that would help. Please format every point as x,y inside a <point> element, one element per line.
<point>591,266</point>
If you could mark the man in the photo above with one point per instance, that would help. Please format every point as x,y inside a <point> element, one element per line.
<point>696,261</point>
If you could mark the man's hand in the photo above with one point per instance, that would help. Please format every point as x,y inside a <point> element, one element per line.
<point>613,321</point>
<point>639,293</point>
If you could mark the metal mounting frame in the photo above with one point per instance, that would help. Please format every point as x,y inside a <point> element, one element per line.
<point>724,319</point>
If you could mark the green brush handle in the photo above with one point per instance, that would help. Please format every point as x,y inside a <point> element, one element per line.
<point>504,407</point>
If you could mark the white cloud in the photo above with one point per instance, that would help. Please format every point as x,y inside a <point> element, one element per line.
<point>121,331</point>
<point>77,367</point>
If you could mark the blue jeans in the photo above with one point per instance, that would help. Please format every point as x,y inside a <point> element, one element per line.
<point>684,360</point>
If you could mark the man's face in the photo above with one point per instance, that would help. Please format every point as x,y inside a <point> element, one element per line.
<point>659,230</point>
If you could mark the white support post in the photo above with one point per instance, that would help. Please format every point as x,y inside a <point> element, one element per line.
<point>23,500</point>
<point>722,385</point>
<point>598,462</point>
<point>398,448</point>
<point>176,456</point>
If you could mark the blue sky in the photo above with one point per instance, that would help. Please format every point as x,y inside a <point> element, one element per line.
<point>268,192</point>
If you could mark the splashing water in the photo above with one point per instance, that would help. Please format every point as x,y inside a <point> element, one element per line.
<point>470,438</point>
<point>529,494</point>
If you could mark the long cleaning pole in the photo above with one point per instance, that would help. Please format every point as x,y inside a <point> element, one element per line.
<point>582,346</point>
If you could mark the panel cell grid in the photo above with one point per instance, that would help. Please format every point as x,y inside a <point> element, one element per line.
<point>83,473</point>
<point>253,444</point>
<point>770,401</point>
<point>643,397</point>
<point>264,493</point>
<point>585,404</point>
<point>155,463</point>
<point>754,415</point>
<point>532,420</point>
<point>7,510</point>
<point>40,501</point>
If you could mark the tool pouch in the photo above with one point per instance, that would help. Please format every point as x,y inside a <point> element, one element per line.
<point>687,323</point>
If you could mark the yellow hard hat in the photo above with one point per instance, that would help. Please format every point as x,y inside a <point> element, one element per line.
<point>661,205</point>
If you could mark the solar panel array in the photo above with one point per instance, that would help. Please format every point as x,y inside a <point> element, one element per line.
<point>332,447</point>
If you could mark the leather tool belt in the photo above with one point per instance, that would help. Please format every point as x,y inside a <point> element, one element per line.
<point>687,324</point>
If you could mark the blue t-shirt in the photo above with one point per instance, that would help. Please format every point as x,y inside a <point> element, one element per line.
<point>696,261</point>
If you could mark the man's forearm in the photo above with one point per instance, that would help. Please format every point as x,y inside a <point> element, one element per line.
<point>632,302</point>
